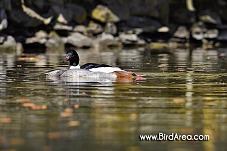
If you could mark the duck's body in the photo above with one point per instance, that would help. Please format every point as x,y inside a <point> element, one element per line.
<point>91,70</point>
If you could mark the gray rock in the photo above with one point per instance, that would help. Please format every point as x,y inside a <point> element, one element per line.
<point>163,29</point>
<point>81,29</point>
<point>181,32</point>
<point>59,26</point>
<point>41,34</point>
<point>106,41</point>
<point>78,40</point>
<point>110,28</point>
<point>54,42</point>
<point>211,33</point>
<point>7,40</point>
<point>39,37</point>
<point>8,43</point>
<point>200,32</point>
<point>94,28</point>
<point>130,39</point>
<point>3,20</point>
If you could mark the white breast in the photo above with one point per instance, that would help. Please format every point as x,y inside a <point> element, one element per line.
<point>74,67</point>
<point>105,69</point>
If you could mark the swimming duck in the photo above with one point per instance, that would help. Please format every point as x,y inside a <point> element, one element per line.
<point>92,70</point>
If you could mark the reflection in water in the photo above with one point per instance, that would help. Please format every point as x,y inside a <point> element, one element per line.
<point>184,93</point>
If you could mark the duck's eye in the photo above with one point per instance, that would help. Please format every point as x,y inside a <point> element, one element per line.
<point>70,54</point>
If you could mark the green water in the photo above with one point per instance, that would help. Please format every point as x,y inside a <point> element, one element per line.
<point>184,93</point>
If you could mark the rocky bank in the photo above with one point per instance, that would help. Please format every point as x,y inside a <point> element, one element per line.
<point>55,24</point>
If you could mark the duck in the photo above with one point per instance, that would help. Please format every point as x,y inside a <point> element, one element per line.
<point>92,71</point>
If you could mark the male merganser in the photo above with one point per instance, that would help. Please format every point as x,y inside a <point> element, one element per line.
<point>93,70</point>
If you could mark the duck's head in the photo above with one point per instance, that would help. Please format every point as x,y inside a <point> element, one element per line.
<point>73,57</point>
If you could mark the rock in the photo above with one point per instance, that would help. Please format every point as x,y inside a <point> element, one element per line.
<point>79,12</point>
<point>105,36</point>
<point>3,20</point>
<point>18,17</point>
<point>120,8</point>
<point>130,39</point>
<point>110,28</point>
<point>81,29</point>
<point>146,24</point>
<point>181,32</point>
<point>42,39</point>
<point>211,33</point>
<point>210,17</point>
<point>59,26</point>
<point>33,40</point>
<point>200,32</point>
<point>61,19</point>
<point>78,40</point>
<point>30,12</point>
<point>8,43</point>
<point>6,5</point>
<point>41,34</point>
<point>197,30</point>
<point>64,15</point>
<point>94,28</point>
<point>54,42</point>
<point>7,40</point>
<point>163,29</point>
<point>104,14</point>
<point>69,12</point>
<point>159,48</point>
<point>149,8</point>
<point>106,41</point>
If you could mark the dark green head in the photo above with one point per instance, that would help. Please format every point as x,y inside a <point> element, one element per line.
<point>73,57</point>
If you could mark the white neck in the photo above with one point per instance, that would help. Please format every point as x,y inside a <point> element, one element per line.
<point>74,67</point>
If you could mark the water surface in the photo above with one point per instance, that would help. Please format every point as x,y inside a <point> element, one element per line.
<point>185,92</point>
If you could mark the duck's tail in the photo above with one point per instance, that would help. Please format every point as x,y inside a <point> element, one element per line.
<point>129,76</point>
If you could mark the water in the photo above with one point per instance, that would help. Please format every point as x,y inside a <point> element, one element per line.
<point>184,93</point>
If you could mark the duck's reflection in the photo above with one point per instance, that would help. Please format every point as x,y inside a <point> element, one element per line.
<point>82,80</point>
